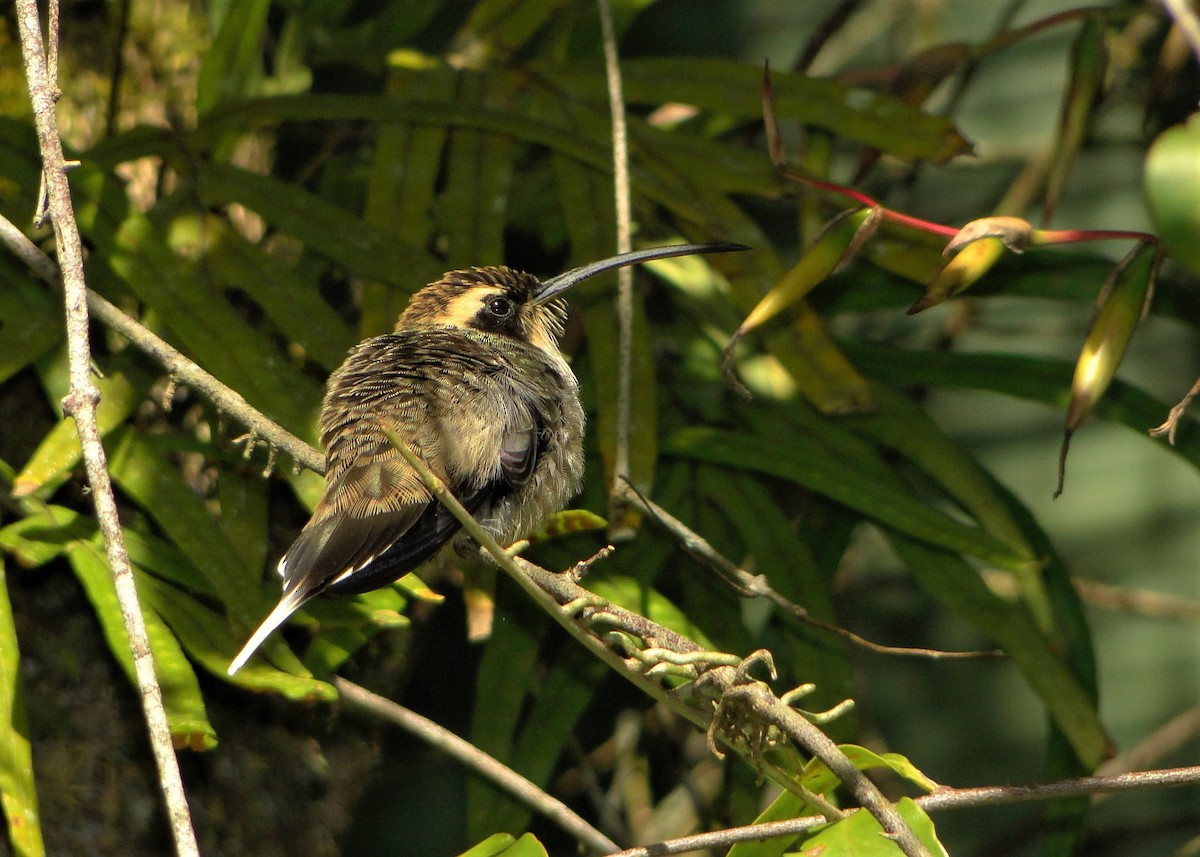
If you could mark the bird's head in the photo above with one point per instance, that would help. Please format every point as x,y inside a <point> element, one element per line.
<point>513,303</point>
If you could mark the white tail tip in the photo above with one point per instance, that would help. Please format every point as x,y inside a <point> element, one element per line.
<point>288,604</point>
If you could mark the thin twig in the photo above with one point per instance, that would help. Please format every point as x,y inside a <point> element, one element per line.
<point>947,798</point>
<point>1171,426</point>
<point>1119,599</point>
<point>80,403</point>
<point>477,761</point>
<point>1162,741</point>
<point>181,368</point>
<point>619,528</point>
<point>944,799</point>
<point>756,585</point>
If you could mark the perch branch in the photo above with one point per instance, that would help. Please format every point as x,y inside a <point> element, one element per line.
<point>477,761</point>
<point>728,685</point>
<point>80,403</point>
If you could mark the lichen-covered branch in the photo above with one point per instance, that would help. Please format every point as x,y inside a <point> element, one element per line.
<point>80,403</point>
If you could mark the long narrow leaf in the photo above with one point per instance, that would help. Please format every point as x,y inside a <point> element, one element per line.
<point>186,714</point>
<point>18,794</point>
<point>858,490</point>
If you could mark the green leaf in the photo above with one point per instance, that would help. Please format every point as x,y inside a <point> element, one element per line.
<point>210,328</point>
<point>289,295</point>
<point>150,480</point>
<point>961,589</point>
<point>504,845</point>
<point>244,514</point>
<point>776,551</point>
<point>18,794</point>
<point>804,463</point>
<point>40,537</point>
<point>859,834</point>
<point>30,319</point>
<point>141,470</point>
<point>733,88</point>
<point>582,194</point>
<point>207,637</point>
<point>232,67</point>
<point>1035,378</point>
<point>901,425</point>
<point>479,173</point>
<point>403,180</point>
<point>633,596</point>
<point>184,705</point>
<point>324,228</point>
<point>525,708</point>
<point>499,28</point>
<point>817,778</point>
<point>122,388</point>
<point>905,427</point>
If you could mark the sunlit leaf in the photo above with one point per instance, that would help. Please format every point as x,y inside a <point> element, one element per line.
<point>861,835</point>
<point>818,778</point>
<point>568,521</point>
<point>628,593</point>
<point>38,538</point>
<point>122,388</point>
<point>184,705</point>
<point>18,794</point>
<point>505,845</point>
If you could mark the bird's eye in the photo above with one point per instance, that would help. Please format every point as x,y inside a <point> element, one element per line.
<point>500,307</point>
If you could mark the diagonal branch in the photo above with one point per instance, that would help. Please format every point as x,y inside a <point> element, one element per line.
<point>80,403</point>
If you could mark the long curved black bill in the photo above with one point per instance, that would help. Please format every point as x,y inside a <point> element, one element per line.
<point>557,285</point>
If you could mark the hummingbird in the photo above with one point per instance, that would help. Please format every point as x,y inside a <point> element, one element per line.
<point>472,380</point>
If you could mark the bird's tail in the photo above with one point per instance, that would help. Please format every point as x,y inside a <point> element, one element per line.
<point>288,604</point>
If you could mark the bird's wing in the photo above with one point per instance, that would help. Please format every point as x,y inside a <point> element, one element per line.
<point>376,520</point>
